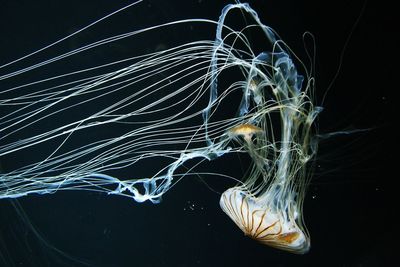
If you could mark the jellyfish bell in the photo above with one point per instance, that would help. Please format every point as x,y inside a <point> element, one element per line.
<point>263,223</point>
<point>247,131</point>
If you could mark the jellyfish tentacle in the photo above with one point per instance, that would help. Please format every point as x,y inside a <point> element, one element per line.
<point>92,127</point>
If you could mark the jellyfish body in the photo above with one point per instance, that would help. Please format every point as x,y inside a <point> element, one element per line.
<point>166,111</point>
<point>263,223</point>
<point>247,131</point>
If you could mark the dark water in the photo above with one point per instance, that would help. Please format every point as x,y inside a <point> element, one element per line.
<point>349,209</point>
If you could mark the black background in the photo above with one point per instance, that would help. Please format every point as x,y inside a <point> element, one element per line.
<point>349,209</point>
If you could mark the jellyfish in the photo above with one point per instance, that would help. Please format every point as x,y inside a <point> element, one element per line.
<point>162,109</point>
